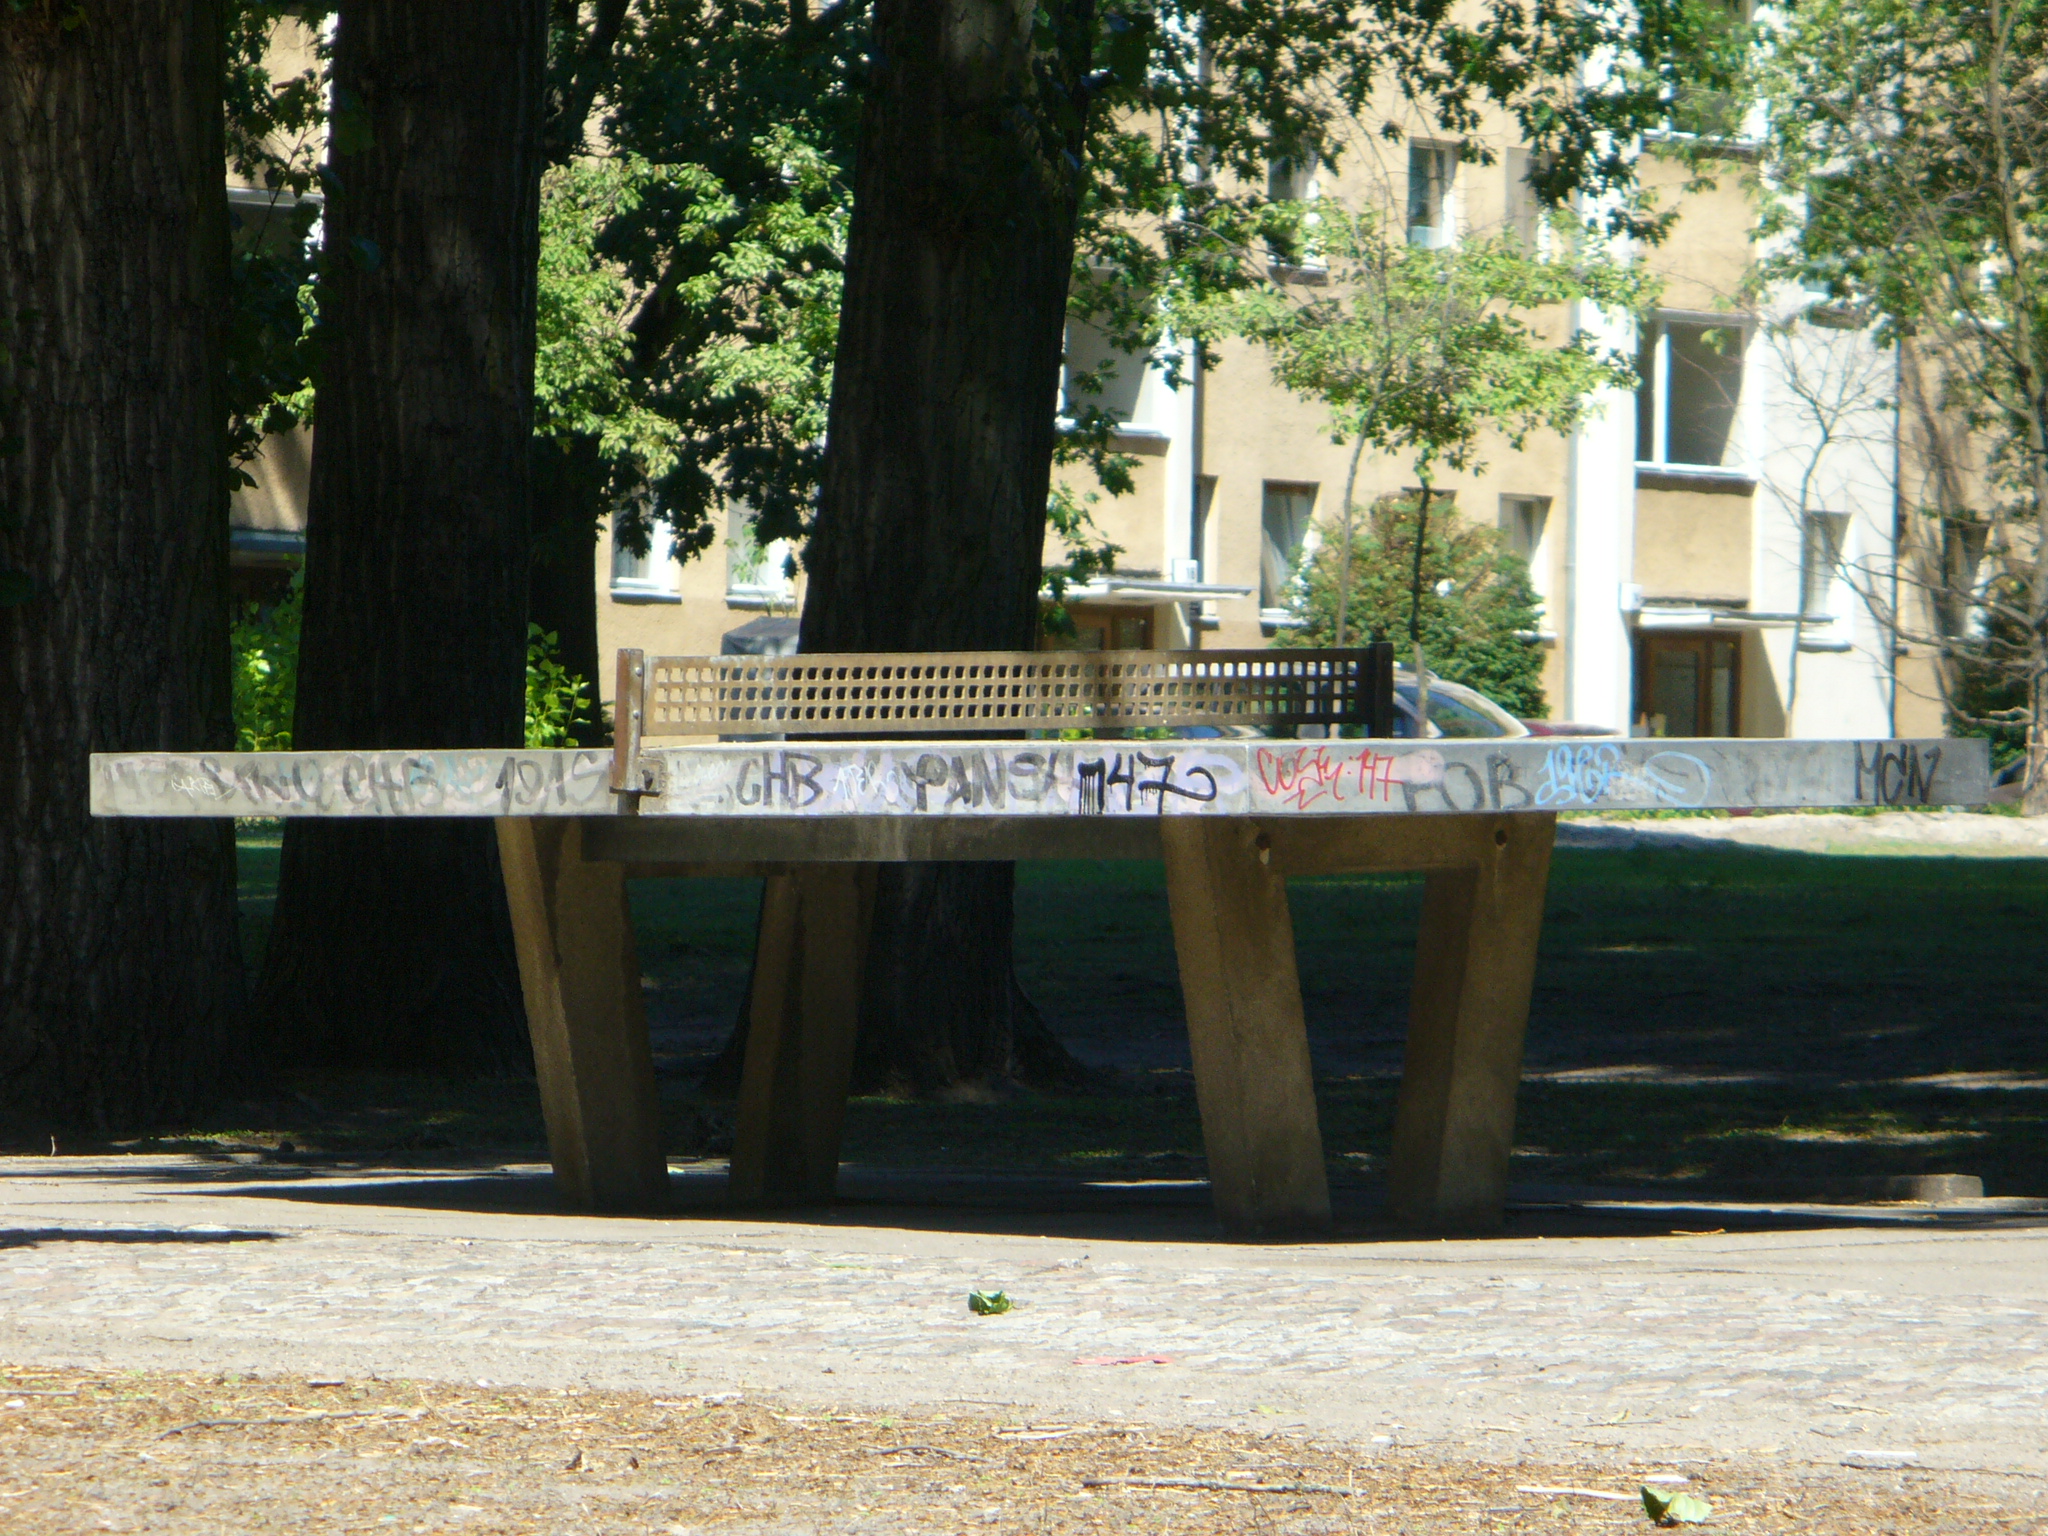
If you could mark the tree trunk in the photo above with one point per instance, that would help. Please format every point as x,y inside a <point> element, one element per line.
<point>931,517</point>
<point>392,948</point>
<point>568,500</point>
<point>120,976</point>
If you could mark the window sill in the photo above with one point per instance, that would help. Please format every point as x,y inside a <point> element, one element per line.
<point>1732,146</point>
<point>638,592</point>
<point>758,597</point>
<point>1692,477</point>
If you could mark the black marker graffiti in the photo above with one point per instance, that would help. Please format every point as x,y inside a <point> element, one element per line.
<point>1094,779</point>
<point>793,774</point>
<point>1895,774</point>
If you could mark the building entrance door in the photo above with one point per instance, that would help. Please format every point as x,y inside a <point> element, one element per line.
<point>1687,684</point>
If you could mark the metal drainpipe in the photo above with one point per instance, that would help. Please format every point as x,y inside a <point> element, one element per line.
<point>1898,528</point>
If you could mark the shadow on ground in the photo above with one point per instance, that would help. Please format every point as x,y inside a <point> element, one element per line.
<point>1709,1024</point>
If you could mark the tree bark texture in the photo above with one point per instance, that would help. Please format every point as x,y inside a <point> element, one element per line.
<point>120,975</point>
<point>931,517</point>
<point>392,947</point>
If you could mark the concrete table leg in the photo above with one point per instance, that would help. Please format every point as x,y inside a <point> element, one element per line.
<point>1475,963</point>
<point>800,1033</point>
<point>1235,940</point>
<point>585,1015</point>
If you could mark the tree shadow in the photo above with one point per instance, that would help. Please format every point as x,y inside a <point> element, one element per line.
<point>35,1237</point>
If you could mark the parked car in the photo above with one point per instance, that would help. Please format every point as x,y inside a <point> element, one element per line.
<point>1455,711</point>
<point>1567,728</point>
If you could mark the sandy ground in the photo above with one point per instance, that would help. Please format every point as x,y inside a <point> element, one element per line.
<point>85,1451</point>
<point>1837,1370</point>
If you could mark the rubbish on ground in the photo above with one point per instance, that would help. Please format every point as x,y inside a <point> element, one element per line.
<point>297,1418</point>
<point>927,1450</point>
<point>1577,1493</point>
<point>988,1303</point>
<point>1125,1360</point>
<point>1675,1508</point>
<point>1880,1461</point>
<point>1221,1485</point>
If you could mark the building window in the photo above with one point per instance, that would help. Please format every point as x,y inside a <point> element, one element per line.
<point>757,575</point>
<point>1292,179</point>
<point>1691,386</point>
<point>1198,523</point>
<point>1700,104</point>
<point>1687,685</point>
<point>1284,524</point>
<point>1097,376</point>
<point>1820,565</point>
<point>1521,523</point>
<point>1099,627</point>
<point>648,576</point>
<point>1523,217</point>
<point>1431,168</point>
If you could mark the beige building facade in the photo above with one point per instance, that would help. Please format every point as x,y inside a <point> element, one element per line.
<point>1709,549</point>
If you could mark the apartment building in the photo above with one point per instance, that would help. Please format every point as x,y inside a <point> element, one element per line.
<point>1712,550</point>
<point>1707,548</point>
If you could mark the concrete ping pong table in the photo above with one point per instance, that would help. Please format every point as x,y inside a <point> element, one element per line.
<point>1231,816</point>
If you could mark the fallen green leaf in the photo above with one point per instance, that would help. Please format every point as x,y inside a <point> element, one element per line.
<point>988,1303</point>
<point>1675,1508</point>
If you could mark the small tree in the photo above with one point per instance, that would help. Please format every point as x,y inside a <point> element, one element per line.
<point>1421,352</point>
<point>1474,614</point>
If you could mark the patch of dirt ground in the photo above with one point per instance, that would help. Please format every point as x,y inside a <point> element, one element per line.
<point>85,1451</point>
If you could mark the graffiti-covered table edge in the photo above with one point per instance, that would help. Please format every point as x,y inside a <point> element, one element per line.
<point>1231,820</point>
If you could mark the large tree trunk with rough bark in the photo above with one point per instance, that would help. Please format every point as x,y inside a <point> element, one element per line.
<point>120,975</point>
<point>392,948</point>
<point>931,519</point>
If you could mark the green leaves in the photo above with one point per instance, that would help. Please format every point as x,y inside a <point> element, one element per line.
<point>1421,352</point>
<point>1675,1508</point>
<point>265,648</point>
<point>988,1303</point>
<point>556,702</point>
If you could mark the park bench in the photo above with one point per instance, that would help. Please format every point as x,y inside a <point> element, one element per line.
<point>885,758</point>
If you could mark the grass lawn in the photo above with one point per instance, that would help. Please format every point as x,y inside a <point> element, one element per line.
<point>1702,1019</point>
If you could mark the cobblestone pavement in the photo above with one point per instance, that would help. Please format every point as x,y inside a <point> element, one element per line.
<point>1920,1337</point>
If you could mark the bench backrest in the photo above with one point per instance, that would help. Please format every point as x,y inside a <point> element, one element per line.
<point>913,693</point>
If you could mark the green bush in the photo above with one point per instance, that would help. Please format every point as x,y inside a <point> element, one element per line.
<point>1473,630</point>
<point>266,661</point>
<point>556,706</point>
<point>266,654</point>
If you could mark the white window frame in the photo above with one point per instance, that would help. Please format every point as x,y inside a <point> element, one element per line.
<point>770,585</point>
<point>1308,189</point>
<point>1660,392</point>
<point>1832,583</point>
<point>1444,235</point>
<point>659,581</point>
